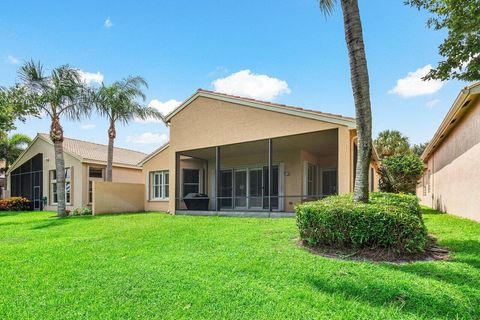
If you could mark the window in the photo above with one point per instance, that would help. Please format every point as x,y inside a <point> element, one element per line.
<point>191,181</point>
<point>159,185</point>
<point>424,185</point>
<point>311,180</point>
<point>95,172</point>
<point>429,178</point>
<point>53,186</point>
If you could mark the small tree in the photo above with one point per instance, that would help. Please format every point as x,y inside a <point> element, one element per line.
<point>391,142</point>
<point>418,148</point>
<point>118,102</point>
<point>461,47</point>
<point>11,147</point>
<point>400,173</point>
<point>15,105</point>
<point>60,94</point>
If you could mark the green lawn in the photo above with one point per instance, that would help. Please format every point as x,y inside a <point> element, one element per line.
<point>160,266</point>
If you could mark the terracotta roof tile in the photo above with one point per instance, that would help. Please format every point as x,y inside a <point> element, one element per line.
<point>98,152</point>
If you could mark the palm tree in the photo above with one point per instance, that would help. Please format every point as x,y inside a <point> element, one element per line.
<point>391,142</point>
<point>12,147</point>
<point>361,89</point>
<point>119,102</point>
<point>60,94</point>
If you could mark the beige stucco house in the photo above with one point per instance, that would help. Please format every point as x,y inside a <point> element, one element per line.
<point>32,175</point>
<point>249,157</point>
<point>451,180</point>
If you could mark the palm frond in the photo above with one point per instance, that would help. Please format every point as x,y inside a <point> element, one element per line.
<point>327,6</point>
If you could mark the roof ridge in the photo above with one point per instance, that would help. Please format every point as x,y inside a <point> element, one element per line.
<point>100,144</point>
<point>276,104</point>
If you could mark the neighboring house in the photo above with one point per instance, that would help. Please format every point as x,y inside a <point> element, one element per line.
<point>33,174</point>
<point>250,156</point>
<point>451,180</point>
<point>3,180</point>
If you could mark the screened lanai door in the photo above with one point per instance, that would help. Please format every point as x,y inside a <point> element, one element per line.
<point>247,188</point>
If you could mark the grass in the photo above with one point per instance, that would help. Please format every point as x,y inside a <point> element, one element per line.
<point>159,266</point>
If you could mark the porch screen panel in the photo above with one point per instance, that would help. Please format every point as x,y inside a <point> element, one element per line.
<point>26,178</point>
<point>267,185</point>
<point>226,189</point>
<point>191,181</point>
<point>256,188</point>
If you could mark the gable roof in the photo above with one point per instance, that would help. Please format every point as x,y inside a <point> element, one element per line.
<point>455,113</point>
<point>154,153</point>
<point>91,152</point>
<point>265,105</point>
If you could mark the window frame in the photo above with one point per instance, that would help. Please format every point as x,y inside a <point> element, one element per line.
<point>198,184</point>
<point>163,185</point>
<point>53,186</point>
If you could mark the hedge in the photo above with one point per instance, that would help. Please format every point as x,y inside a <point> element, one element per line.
<point>15,204</point>
<point>388,221</point>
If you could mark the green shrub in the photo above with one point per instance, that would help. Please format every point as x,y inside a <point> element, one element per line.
<point>15,204</point>
<point>81,212</point>
<point>388,221</point>
<point>400,173</point>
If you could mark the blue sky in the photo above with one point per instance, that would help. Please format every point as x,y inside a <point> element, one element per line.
<point>295,56</point>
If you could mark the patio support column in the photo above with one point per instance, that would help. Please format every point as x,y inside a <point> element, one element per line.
<point>178,196</point>
<point>270,175</point>
<point>345,161</point>
<point>217,176</point>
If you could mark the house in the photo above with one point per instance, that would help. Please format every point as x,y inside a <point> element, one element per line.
<point>33,174</point>
<point>451,180</point>
<point>249,157</point>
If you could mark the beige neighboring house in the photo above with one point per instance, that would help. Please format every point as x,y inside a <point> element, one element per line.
<point>451,180</point>
<point>32,175</point>
<point>249,157</point>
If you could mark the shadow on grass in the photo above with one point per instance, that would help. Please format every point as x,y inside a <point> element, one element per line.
<point>402,295</point>
<point>427,210</point>
<point>12,213</point>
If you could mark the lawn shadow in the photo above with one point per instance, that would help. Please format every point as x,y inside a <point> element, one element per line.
<point>55,221</point>
<point>427,210</point>
<point>12,213</point>
<point>402,295</point>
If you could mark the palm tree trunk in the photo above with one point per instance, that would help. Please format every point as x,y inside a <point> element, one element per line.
<point>56,134</point>
<point>111,139</point>
<point>361,95</point>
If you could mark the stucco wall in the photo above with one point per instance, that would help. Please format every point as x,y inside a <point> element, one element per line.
<point>115,197</point>
<point>455,173</point>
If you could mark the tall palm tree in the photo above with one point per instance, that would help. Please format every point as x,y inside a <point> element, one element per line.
<point>11,147</point>
<point>119,102</point>
<point>361,89</point>
<point>60,94</point>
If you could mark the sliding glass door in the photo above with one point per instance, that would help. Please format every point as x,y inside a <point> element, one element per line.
<point>247,188</point>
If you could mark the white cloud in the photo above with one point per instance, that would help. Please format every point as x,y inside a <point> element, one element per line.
<point>413,85</point>
<point>149,138</point>
<point>108,23</point>
<point>12,60</point>
<point>89,77</point>
<point>163,107</point>
<point>87,126</point>
<point>433,103</point>
<point>250,85</point>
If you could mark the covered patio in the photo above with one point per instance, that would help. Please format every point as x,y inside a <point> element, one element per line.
<point>262,178</point>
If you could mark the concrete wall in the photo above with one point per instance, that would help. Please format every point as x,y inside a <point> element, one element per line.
<point>455,173</point>
<point>116,197</point>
